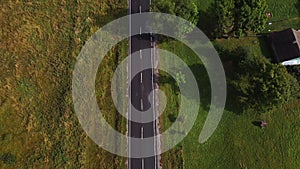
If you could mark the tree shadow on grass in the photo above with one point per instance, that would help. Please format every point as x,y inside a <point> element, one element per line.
<point>297,6</point>
<point>265,46</point>
<point>202,80</point>
<point>229,64</point>
<point>207,21</point>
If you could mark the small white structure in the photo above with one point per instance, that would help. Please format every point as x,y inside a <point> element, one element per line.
<point>292,62</point>
<point>286,46</point>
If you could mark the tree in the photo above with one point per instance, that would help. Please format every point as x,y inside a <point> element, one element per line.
<point>251,15</point>
<point>185,9</point>
<point>261,84</point>
<point>224,11</point>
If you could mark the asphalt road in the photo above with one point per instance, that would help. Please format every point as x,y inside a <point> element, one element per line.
<point>141,86</point>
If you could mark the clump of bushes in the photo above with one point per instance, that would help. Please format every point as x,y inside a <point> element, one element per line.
<point>260,84</point>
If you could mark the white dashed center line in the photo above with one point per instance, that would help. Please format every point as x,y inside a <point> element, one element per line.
<point>142,106</point>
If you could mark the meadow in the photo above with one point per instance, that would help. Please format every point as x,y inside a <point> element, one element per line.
<point>40,41</point>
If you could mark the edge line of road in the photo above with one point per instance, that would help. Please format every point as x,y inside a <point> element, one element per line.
<point>129,90</point>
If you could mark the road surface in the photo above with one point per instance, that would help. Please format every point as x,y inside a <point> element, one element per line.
<point>141,86</point>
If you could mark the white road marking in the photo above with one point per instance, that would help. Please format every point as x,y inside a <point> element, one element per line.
<point>153,101</point>
<point>141,77</point>
<point>142,133</point>
<point>140,9</point>
<point>142,105</point>
<point>140,30</point>
<point>141,56</point>
<point>142,163</point>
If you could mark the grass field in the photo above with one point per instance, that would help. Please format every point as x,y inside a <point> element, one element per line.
<point>40,41</point>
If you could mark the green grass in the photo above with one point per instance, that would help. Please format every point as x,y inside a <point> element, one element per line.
<point>237,143</point>
<point>40,41</point>
<point>174,157</point>
<point>284,24</point>
<point>257,45</point>
<point>284,9</point>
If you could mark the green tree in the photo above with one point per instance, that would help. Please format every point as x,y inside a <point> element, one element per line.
<point>261,84</point>
<point>224,11</point>
<point>240,16</point>
<point>250,15</point>
<point>185,9</point>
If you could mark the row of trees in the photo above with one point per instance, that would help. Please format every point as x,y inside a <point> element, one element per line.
<point>236,17</point>
<point>231,17</point>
